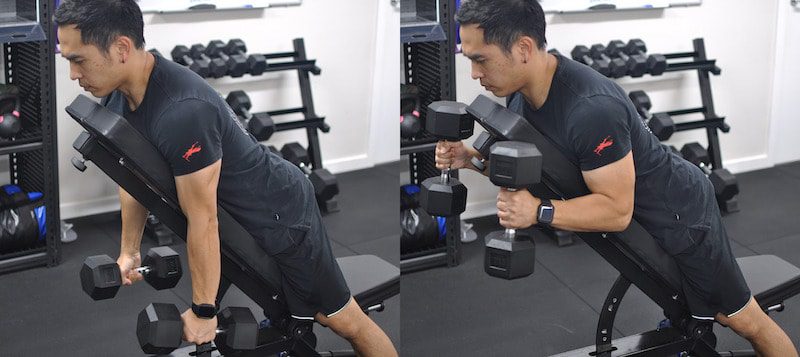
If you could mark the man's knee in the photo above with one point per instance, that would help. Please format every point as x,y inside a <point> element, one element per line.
<point>746,323</point>
<point>347,323</point>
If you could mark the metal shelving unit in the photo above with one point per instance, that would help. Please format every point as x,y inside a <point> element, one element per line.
<point>29,63</point>
<point>430,65</point>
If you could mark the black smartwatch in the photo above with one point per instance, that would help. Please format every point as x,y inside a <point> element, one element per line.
<point>204,311</point>
<point>545,213</point>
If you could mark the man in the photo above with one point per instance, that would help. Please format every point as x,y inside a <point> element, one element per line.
<point>214,161</point>
<point>627,171</point>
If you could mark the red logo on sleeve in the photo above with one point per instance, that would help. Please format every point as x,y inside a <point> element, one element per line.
<point>603,145</point>
<point>192,150</point>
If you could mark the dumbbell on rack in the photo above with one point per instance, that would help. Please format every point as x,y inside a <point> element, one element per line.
<point>159,329</point>
<point>325,183</point>
<point>726,186</point>
<point>445,196</point>
<point>236,64</point>
<point>513,165</point>
<point>181,55</point>
<point>582,54</point>
<point>636,64</point>
<point>616,66</point>
<point>101,277</point>
<point>255,64</point>
<point>259,124</point>
<point>656,63</point>
<point>217,67</point>
<point>661,124</point>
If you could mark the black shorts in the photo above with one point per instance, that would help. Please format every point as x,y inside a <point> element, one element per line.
<point>311,279</point>
<point>713,282</point>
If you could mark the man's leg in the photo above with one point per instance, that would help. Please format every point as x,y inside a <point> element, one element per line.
<point>767,338</point>
<point>356,327</point>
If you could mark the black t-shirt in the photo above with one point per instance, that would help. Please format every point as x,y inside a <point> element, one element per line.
<point>192,127</point>
<point>593,123</point>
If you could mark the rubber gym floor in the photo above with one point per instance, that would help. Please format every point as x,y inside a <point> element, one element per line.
<point>43,311</point>
<point>461,311</point>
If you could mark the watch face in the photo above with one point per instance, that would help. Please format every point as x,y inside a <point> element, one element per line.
<point>546,214</point>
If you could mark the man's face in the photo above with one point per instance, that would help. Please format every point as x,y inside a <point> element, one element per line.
<point>499,72</point>
<point>96,72</point>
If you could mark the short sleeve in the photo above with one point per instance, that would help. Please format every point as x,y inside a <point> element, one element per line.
<point>598,130</point>
<point>188,135</point>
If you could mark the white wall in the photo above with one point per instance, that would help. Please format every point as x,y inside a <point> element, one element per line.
<point>786,90</point>
<point>341,35</point>
<point>740,34</point>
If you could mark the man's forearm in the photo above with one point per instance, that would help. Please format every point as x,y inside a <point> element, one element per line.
<point>204,259</point>
<point>591,213</point>
<point>133,219</point>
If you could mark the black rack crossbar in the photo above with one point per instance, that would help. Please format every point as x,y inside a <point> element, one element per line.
<point>707,65</point>
<point>709,123</point>
<point>680,55</point>
<point>279,55</point>
<point>21,146</point>
<point>412,147</point>
<point>673,113</point>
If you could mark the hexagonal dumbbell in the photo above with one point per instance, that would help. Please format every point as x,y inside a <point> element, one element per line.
<point>513,165</point>
<point>182,55</point>
<point>726,186</point>
<point>217,67</point>
<point>444,195</point>
<point>236,64</point>
<point>636,64</point>
<point>656,63</point>
<point>662,126</point>
<point>641,101</point>
<point>260,124</point>
<point>326,186</point>
<point>582,54</point>
<point>616,66</point>
<point>256,63</point>
<point>101,277</point>
<point>483,144</point>
<point>159,329</point>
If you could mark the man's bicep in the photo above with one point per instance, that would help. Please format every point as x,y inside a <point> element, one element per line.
<point>616,180</point>
<point>197,191</point>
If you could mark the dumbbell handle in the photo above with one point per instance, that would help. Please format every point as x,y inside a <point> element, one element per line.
<point>143,270</point>
<point>445,176</point>
<point>510,233</point>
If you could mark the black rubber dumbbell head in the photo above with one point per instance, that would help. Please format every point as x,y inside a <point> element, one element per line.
<point>326,186</point>
<point>515,164</point>
<point>159,328</point>
<point>662,126</point>
<point>181,54</point>
<point>100,277</point>
<point>616,66</point>
<point>483,144</point>
<point>217,67</point>
<point>582,54</point>
<point>726,186</point>
<point>240,330</point>
<point>696,154</point>
<point>641,101</point>
<point>165,268</point>
<point>236,64</point>
<point>509,259</point>
<point>239,101</point>
<point>295,153</point>
<point>636,65</point>
<point>261,126</point>
<point>448,120</point>
<point>443,199</point>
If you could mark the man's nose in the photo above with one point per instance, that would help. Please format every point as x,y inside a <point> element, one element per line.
<point>73,72</point>
<point>476,73</point>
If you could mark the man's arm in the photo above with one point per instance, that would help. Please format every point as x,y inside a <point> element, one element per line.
<point>197,194</point>
<point>608,208</point>
<point>133,219</point>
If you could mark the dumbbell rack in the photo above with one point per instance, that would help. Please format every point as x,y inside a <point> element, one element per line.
<point>430,65</point>
<point>29,63</point>
<point>711,121</point>
<point>311,121</point>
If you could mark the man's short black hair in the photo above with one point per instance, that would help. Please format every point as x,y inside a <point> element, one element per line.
<point>102,21</point>
<point>504,21</point>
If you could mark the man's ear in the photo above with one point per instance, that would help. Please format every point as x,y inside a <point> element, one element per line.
<point>122,47</point>
<point>525,47</point>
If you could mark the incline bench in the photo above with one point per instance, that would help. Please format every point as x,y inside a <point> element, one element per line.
<point>638,258</point>
<point>123,154</point>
